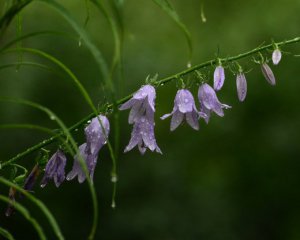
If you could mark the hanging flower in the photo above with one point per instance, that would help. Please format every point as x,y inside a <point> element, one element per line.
<point>184,106</point>
<point>210,102</point>
<point>276,56</point>
<point>142,103</point>
<point>241,86</point>
<point>268,74</point>
<point>143,136</point>
<point>90,161</point>
<point>96,134</point>
<point>55,169</point>
<point>31,178</point>
<point>219,78</point>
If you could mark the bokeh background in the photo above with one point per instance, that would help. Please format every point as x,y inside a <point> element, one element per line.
<point>236,178</point>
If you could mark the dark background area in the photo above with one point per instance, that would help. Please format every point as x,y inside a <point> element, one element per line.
<point>236,178</point>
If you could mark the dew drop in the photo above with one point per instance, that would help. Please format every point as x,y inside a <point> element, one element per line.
<point>52,117</point>
<point>114,179</point>
<point>186,100</point>
<point>43,185</point>
<point>79,43</point>
<point>113,205</point>
<point>76,130</point>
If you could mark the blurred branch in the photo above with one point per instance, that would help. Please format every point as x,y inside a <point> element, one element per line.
<point>158,83</point>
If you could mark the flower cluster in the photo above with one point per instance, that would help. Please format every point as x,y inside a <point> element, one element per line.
<point>141,116</point>
<point>96,134</point>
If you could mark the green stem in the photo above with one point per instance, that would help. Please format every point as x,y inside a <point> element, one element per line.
<point>157,84</point>
<point>26,214</point>
<point>6,234</point>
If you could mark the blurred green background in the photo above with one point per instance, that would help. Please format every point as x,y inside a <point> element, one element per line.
<point>236,178</point>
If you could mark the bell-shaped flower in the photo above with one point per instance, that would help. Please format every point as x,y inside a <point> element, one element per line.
<point>96,134</point>
<point>219,78</point>
<point>143,136</point>
<point>209,101</point>
<point>31,178</point>
<point>184,106</point>
<point>241,86</point>
<point>276,56</point>
<point>77,170</point>
<point>268,74</point>
<point>142,103</point>
<point>55,169</point>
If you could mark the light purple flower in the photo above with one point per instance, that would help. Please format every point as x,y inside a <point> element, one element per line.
<point>96,134</point>
<point>90,161</point>
<point>219,78</point>
<point>184,106</point>
<point>268,74</point>
<point>55,169</point>
<point>276,56</point>
<point>143,136</point>
<point>241,86</point>
<point>141,104</point>
<point>96,137</point>
<point>210,102</point>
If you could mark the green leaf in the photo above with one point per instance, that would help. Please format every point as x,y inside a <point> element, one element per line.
<point>26,214</point>
<point>6,234</point>
<point>169,9</point>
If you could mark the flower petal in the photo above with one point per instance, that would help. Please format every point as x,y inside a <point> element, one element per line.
<point>241,85</point>
<point>192,120</point>
<point>176,120</point>
<point>219,78</point>
<point>268,74</point>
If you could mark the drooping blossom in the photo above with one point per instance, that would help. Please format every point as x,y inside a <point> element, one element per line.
<point>276,56</point>
<point>268,74</point>
<point>55,169</point>
<point>96,137</point>
<point>209,101</point>
<point>90,161</point>
<point>31,178</point>
<point>219,78</point>
<point>241,86</point>
<point>143,136</point>
<point>96,134</point>
<point>184,106</point>
<point>141,104</point>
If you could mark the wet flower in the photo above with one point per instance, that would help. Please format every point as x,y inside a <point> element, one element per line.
<point>210,102</point>
<point>268,74</point>
<point>241,86</point>
<point>143,136</point>
<point>276,56</point>
<point>55,169</point>
<point>96,134</point>
<point>90,161</point>
<point>219,78</point>
<point>184,106</point>
<point>141,104</point>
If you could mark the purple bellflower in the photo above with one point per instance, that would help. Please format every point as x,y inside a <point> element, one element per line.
<point>96,134</point>
<point>143,136</point>
<point>184,106</point>
<point>219,78</point>
<point>241,86</point>
<point>142,103</point>
<point>90,161</point>
<point>276,56</point>
<point>268,74</point>
<point>96,137</point>
<point>209,101</point>
<point>31,178</point>
<point>55,169</point>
